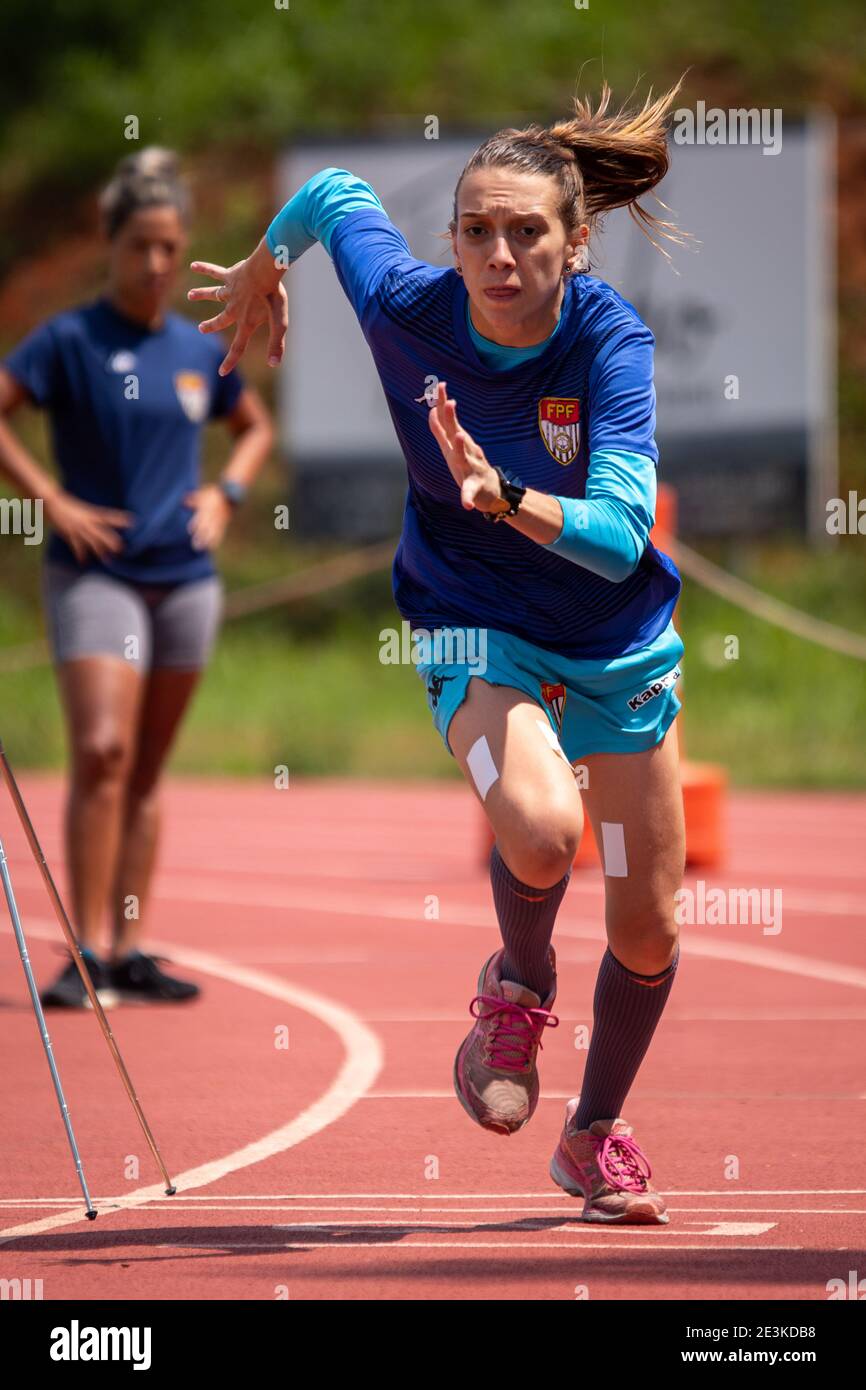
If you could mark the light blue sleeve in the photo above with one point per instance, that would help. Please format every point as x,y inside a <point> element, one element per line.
<point>607,531</point>
<point>317,209</point>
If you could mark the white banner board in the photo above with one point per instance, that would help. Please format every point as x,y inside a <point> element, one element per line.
<point>744,326</point>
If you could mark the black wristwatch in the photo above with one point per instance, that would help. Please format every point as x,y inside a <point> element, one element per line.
<point>232,490</point>
<point>512,493</point>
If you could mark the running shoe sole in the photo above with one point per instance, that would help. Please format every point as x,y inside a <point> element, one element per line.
<point>635,1216</point>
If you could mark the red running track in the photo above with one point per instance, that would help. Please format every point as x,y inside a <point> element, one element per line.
<point>342,1165</point>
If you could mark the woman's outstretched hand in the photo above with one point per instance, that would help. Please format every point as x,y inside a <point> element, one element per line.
<point>476,478</point>
<point>253,293</point>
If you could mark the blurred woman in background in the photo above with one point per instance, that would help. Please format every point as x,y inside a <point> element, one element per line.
<point>131,594</point>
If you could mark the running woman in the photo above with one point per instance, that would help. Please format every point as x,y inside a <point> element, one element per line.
<point>521,391</point>
<point>131,595</point>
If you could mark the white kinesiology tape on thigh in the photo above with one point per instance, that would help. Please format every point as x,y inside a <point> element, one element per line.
<point>482,766</point>
<point>613,849</point>
<point>552,739</point>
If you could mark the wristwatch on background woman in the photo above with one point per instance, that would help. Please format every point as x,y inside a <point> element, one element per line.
<point>511,493</point>
<point>233,491</point>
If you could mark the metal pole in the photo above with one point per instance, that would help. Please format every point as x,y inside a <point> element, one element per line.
<point>65,924</point>
<point>40,1018</point>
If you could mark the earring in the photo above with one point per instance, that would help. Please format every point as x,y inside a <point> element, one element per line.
<point>459,269</point>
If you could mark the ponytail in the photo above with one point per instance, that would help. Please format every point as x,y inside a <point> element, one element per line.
<point>600,161</point>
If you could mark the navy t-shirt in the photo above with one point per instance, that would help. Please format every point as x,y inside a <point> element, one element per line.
<point>127,405</point>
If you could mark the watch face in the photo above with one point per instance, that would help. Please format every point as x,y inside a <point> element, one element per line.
<point>235,492</point>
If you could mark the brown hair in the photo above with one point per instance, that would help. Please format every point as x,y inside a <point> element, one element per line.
<point>601,161</point>
<point>148,178</point>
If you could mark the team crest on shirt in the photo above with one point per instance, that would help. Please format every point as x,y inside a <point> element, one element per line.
<point>121,361</point>
<point>554,697</point>
<point>192,393</point>
<point>559,422</point>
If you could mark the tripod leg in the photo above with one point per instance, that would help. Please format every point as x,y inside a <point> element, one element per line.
<point>66,926</point>
<point>40,1018</point>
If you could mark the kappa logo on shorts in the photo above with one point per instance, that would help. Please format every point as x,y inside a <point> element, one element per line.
<point>192,393</point>
<point>559,422</point>
<point>554,697</point>
<point>435,685</point>
<point>663,683</point>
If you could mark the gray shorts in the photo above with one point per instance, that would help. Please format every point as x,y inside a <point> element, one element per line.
<point>90,613</point>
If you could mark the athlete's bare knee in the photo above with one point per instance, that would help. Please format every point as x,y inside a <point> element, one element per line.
<point>539,848</point>
<point>645,943</point>
<point>100,760</point>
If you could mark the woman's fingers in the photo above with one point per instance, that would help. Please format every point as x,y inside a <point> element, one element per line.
<point>279,320</point>
<point>223,320</point>
<point>208,268</point>
<point>213,292</point>
<point>236,351</point>
<point>452,427</point>
<point>469,491</point>
<point>438,431</point>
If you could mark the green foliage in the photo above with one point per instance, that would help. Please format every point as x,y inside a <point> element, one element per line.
<point>211,72</point>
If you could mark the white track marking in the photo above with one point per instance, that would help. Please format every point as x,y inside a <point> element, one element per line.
<point>172,885</point>
<point>711,1014</point>
<point>463,914</point>
<point>216,1204</point>
<point>647,1093</point>
<point>361,1066</point>
<point>508,1245</point>
<point>453,1196</point>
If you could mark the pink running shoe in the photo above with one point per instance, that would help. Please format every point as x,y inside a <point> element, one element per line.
<point>494,1071</point>
<point>605,1166</point>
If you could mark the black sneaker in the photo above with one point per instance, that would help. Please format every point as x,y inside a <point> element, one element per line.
<point>68,990</point>
<point>138,979</point>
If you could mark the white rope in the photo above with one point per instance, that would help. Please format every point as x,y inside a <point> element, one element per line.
<point>761,605</point>
<point>330,574</point>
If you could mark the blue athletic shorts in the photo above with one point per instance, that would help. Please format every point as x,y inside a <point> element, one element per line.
<point>621,704</point>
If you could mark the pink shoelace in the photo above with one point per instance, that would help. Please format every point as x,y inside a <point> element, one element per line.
<point>622,1162</point>
<point>514,1033</point>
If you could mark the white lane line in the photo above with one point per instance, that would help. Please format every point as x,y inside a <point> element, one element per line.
<point>360,1068</point>
<point>464,914</point>
<point>708,1015</point>
<point>508,1245</point>
<point>179,1204</point>
<point>456,1196</point>
<point>410,1225</point>
<point>648,1093</point>
<point>173,886</point>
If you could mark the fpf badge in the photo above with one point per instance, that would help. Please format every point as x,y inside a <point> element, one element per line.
<point>192,393</point>
<point>554,697</point>
<point>559,422</point>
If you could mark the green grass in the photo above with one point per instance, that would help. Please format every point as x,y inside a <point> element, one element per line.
<point>303,686</point>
